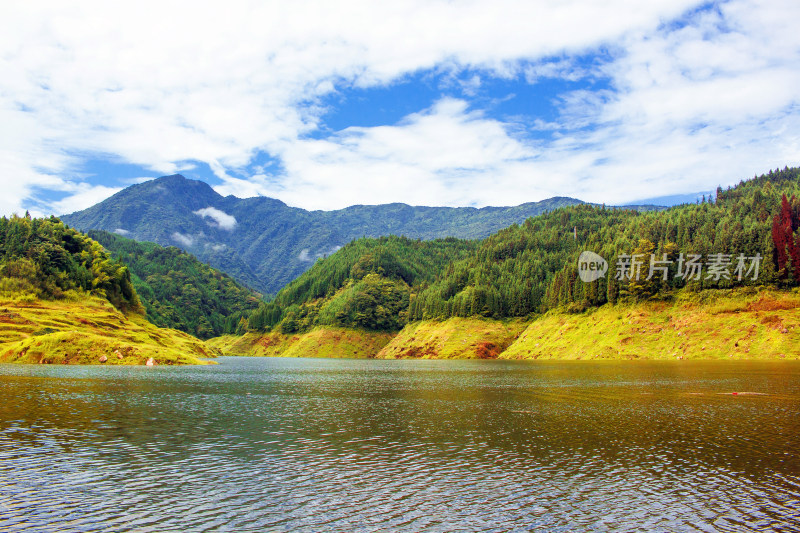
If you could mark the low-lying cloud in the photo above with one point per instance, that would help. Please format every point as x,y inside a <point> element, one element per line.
<point>183,239</point>
<point>215,247</point>
<point>219,218</point>
<point>306,255</point>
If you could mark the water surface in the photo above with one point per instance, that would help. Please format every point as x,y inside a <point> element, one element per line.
<point>257,444</point>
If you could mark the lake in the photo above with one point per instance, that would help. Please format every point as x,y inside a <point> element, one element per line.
<point>261,444</point>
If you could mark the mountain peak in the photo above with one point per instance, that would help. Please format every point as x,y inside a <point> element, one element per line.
<point>170,180</point>
<point>178,180</point>
<point>178,189</point>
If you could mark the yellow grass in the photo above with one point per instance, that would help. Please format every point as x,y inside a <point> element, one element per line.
<point>81,331</point>
<point>737,324</point>
<point>323,341</point>
<point>454,338</point>
<point>714,324</point>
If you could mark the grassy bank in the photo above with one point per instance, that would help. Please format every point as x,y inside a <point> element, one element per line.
<point>322,341</point>
<point>454,338</point>
<point>86,330</point>
<point>714,324</point>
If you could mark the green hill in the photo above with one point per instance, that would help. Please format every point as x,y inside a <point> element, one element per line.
<point>367,284</point>
<point>533,267</point>
<point>179,291</point>
<point>42,258</point>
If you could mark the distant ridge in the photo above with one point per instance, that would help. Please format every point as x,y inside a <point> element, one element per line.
<point>264,243</point>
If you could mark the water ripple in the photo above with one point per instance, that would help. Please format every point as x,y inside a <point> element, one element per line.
<point>308,445</point>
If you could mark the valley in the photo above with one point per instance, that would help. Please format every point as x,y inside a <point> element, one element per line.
<point>516,294</point>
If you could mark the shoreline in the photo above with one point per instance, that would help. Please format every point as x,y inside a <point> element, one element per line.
<point>740,324</point>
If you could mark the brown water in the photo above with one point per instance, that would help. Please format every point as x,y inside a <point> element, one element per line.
<point>352,445</point>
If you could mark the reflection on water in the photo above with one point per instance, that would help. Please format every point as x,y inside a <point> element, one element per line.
<point>353,445</point>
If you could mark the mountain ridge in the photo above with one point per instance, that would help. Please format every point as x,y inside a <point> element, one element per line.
<point>265,243</point>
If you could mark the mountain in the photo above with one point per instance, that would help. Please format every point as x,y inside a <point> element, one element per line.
<point>677,199</point>
<point>262,242</point>
<point>179,291</point>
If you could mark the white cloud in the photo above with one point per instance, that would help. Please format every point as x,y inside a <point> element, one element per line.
<point>564,69</point>
<point>123,232</point>
<point>219,218</point>
<point>693,108</point>
<point>688,107</point>
<point>438,156</point>
<point>180,238</point>
<point>134,181</point>
<point>306,255</point>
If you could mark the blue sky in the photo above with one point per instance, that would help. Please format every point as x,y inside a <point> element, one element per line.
<point>329,104</point>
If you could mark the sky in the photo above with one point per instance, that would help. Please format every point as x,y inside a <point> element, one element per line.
<point>325,104</point>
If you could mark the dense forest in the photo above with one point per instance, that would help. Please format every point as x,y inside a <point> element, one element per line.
<point>366,284</point>
<point>42,258</point>
<point>747,234</point>
<point>534,267</point>
<point>179,291</point>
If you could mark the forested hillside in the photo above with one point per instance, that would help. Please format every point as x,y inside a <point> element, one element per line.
<point>533,267</point>
<point>42,258</point>
<point>179,291</point>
